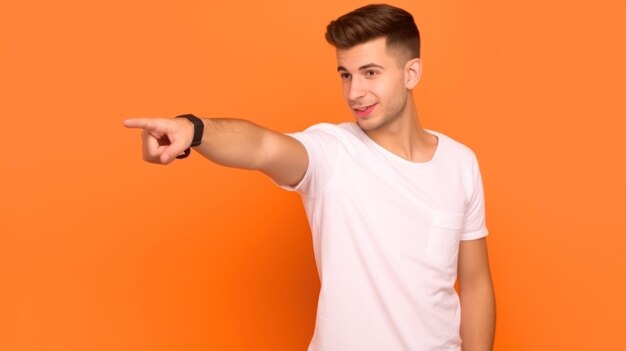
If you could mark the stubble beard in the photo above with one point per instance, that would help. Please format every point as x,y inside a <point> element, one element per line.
<point>386,117</point>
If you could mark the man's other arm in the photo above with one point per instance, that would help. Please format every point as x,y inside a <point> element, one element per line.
<point>478,309</point>
<point>229,142</point>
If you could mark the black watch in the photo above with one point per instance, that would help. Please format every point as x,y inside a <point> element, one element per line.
<point>198,129</point>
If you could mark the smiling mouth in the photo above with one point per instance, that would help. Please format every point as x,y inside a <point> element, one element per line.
<point>363,109</point>
<point>363,112</point>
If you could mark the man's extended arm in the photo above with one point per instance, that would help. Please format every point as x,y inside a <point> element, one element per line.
<point>226,141</point>
<point>478,309</point>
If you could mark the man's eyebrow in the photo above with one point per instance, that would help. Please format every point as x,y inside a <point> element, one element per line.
<point>369,65</point>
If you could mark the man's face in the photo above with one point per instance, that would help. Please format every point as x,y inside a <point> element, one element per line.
<point>374,83</point>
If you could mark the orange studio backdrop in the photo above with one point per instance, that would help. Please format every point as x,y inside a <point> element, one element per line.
<point>102,251</point>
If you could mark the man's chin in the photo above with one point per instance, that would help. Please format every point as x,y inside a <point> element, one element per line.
<point>366,124</point>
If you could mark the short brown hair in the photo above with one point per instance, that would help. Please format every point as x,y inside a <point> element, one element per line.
<point>375,21</point>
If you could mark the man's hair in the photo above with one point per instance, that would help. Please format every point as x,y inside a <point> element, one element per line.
<point>372,22</point>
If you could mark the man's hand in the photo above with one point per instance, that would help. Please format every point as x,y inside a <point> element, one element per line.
<point>228,142</point>
<point>163,138</point>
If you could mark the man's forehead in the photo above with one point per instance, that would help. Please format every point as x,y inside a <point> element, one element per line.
<point>371,52</point>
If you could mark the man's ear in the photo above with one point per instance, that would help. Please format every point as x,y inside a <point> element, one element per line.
<point>412,73</point>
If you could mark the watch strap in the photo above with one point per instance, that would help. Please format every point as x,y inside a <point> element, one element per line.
<point>198,130</point>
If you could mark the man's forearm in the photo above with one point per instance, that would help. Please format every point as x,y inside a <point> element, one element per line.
<point>232,142</point>
<point>478,317</point>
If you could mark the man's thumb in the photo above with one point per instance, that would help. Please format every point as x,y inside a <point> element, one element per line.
<point>176,148</point>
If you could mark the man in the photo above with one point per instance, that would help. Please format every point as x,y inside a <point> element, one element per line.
<point>396,211</point>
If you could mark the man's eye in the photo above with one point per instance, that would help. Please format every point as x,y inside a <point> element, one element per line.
<point>371,73</point>
<point>345,76</point>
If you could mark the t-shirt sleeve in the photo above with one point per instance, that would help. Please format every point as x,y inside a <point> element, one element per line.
<point>474,226</point>
<point>321,145</point>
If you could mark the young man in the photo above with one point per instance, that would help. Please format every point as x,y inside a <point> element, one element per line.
<point>396,211</point>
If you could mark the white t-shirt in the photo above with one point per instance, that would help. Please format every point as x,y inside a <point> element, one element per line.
<point>386,234</point>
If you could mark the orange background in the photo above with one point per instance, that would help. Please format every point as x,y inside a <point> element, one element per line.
<point>101,251</point>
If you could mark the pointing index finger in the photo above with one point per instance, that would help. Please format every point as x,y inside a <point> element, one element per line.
<point>137,123</point>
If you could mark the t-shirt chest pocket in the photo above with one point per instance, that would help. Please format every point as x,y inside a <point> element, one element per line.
<point>444,237</point>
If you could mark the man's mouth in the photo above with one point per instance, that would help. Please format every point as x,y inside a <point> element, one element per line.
<point>363,111</point>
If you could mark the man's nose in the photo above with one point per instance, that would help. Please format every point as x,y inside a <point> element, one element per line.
<point>356,90</point>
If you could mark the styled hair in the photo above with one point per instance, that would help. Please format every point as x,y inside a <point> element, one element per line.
<point>372,22</point>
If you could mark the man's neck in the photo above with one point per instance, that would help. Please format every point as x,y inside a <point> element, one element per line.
<point>406,138</point>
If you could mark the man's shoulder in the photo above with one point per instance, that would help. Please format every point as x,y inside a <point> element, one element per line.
<point>341,132</point>
<point>343,127</point>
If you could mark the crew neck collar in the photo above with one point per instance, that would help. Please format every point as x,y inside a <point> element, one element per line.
<point>398,158</point>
